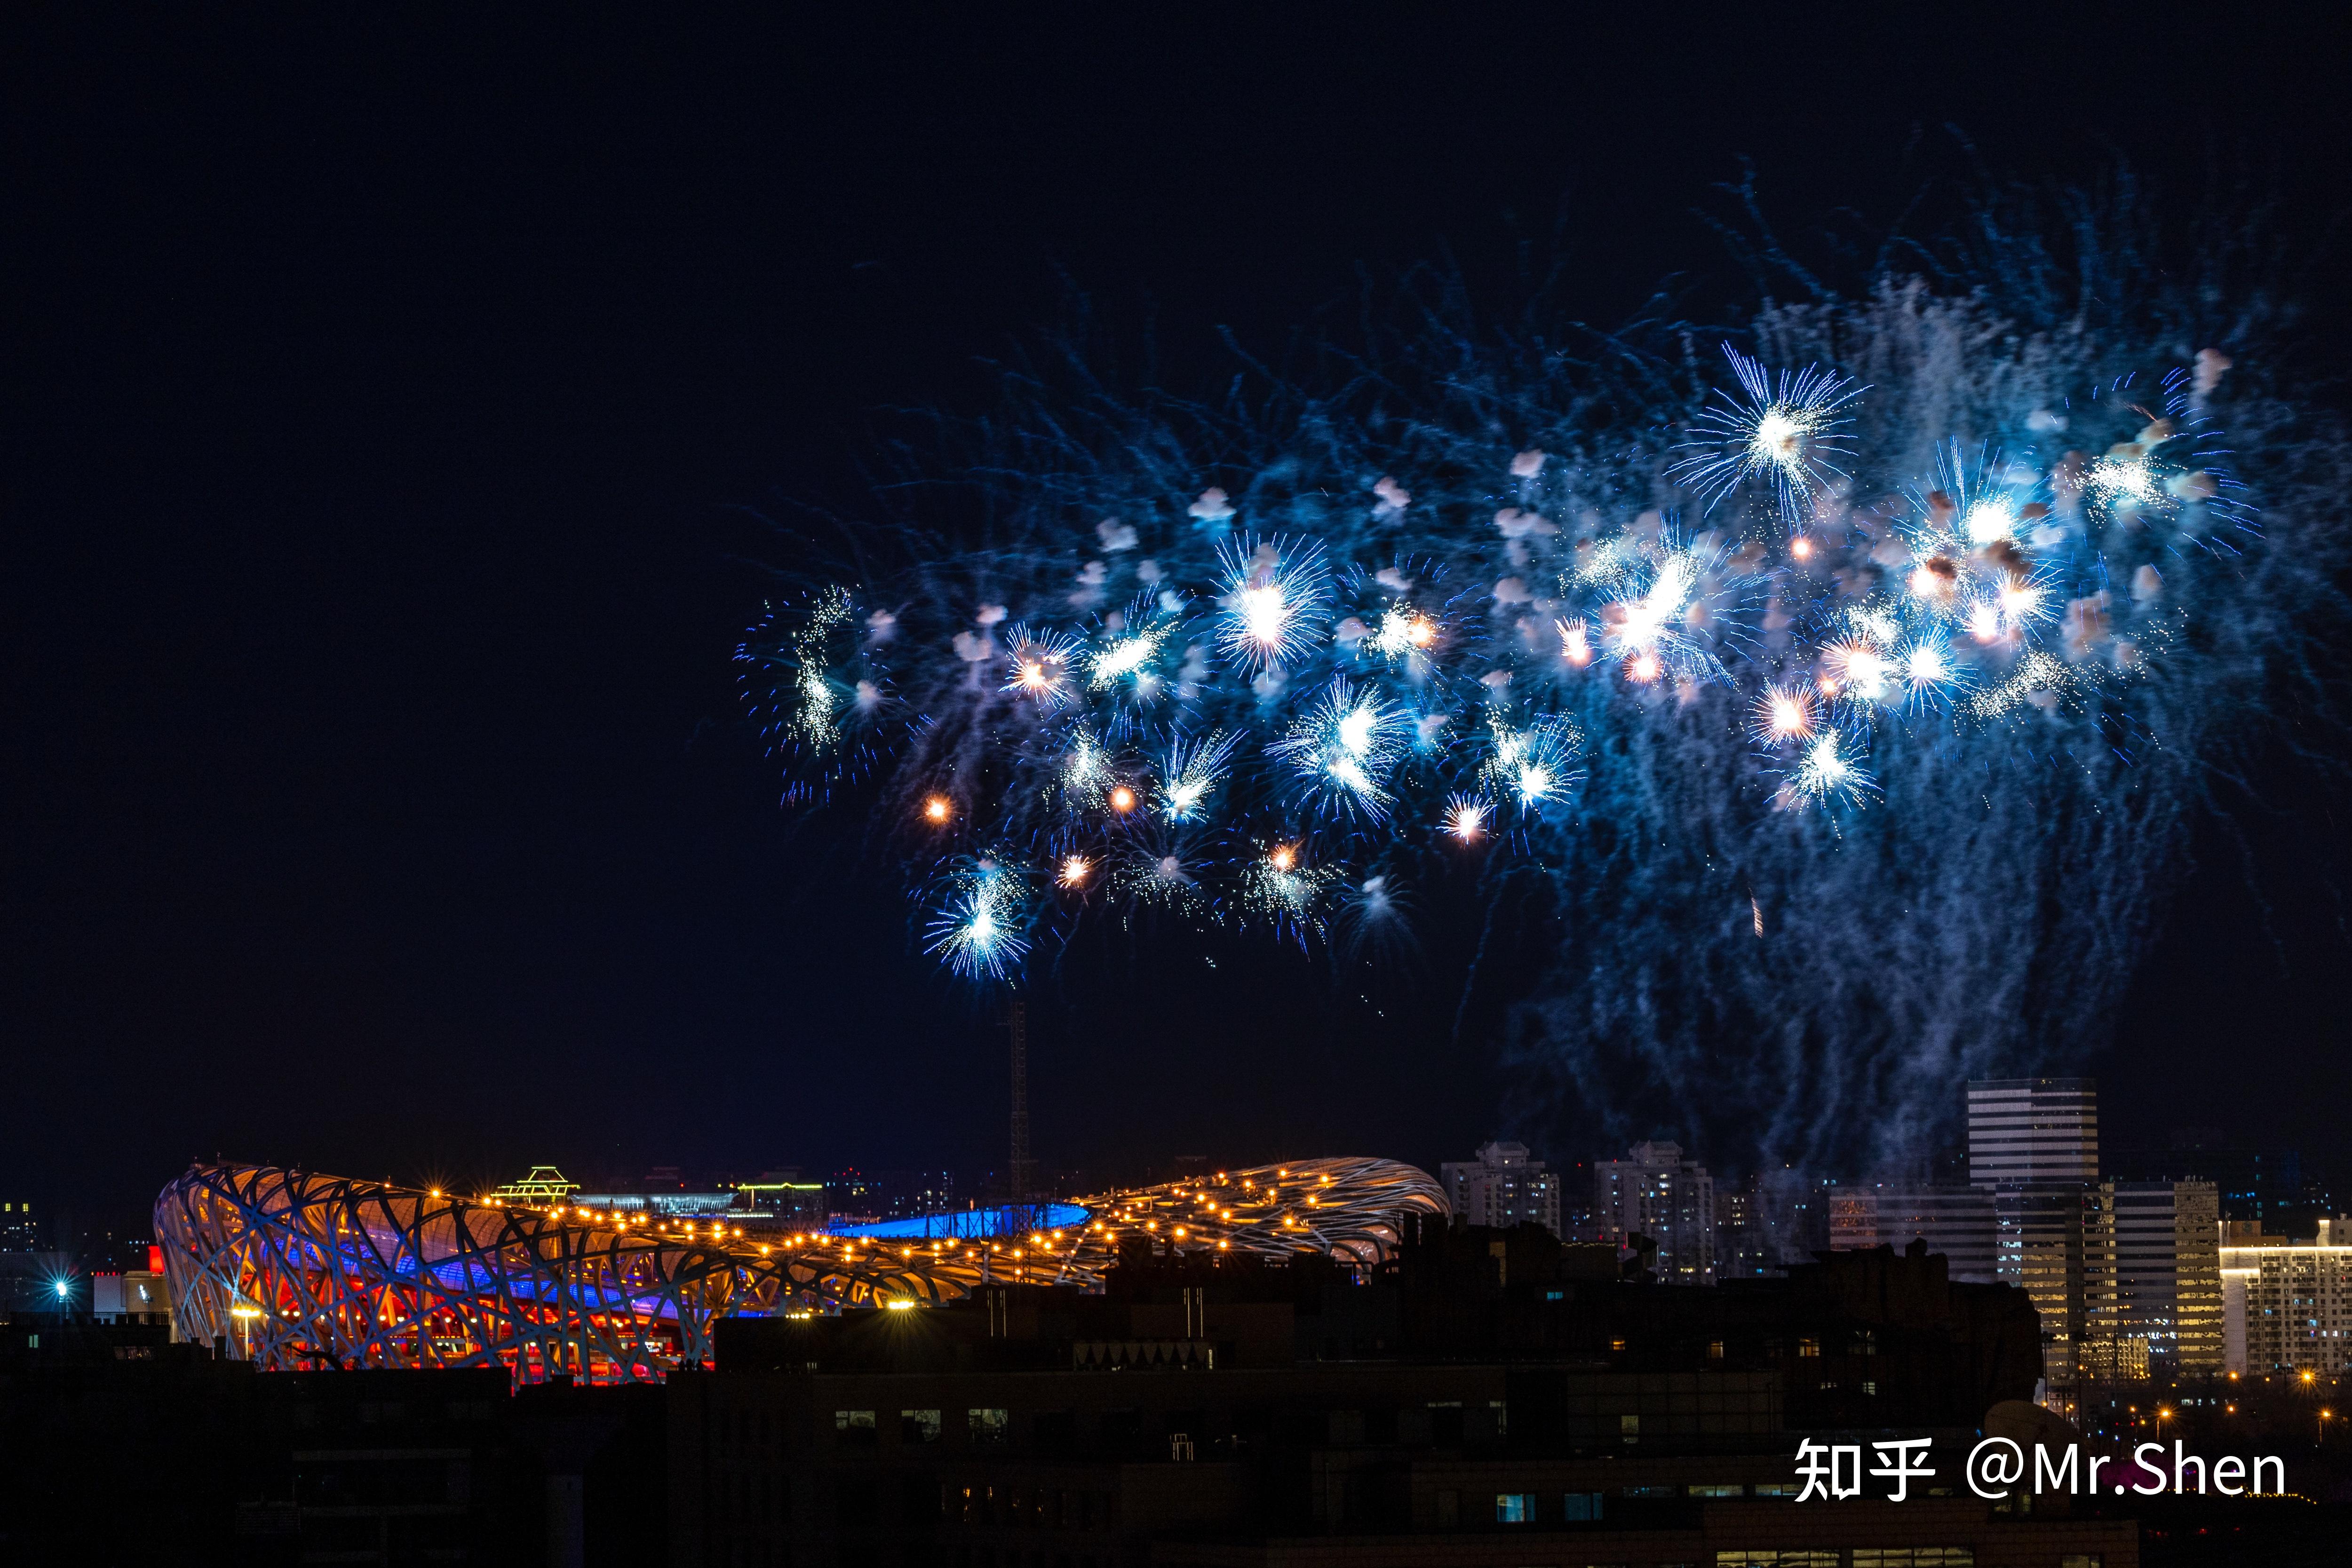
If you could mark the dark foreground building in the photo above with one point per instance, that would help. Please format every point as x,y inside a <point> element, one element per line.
<point>1488,1398</point>
<point>118,1446</point>
<point>1482,1397</point>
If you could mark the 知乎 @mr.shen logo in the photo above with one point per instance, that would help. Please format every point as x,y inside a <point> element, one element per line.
<point>1998,1467</point>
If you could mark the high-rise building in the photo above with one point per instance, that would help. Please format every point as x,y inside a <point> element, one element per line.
<point>1654,1192</point>
<point>2152,1281</point>
<point>1743,1243</point>
<point>1955,1221</point>
<point>2034,1132</point>
<point>1778,1219</point>
<point>1502,1187</point>
<point>2286,1306</point>
<point>19,1231</point>
<point>2038,1247</point>
<point>2034,1142</point>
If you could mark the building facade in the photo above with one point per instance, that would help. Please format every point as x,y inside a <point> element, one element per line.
<point>2152,1301</point>
<point>1654,1192</point>
<point>2285,1306</point>
<point>1502,1187</point>
<point>1955,1221</point>
<point>2038,1247</point>
<point>2034,1132</point>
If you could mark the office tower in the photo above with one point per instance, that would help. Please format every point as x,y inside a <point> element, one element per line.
<point>2152,1281</point>
<point>1955,1221</point>
<point>1654,1192</point>
<point>2034,1132</point>
<point>1503,1187</point>
<point>2038,1247</point>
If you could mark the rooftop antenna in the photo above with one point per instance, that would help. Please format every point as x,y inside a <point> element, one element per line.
<point>1018,1173</point>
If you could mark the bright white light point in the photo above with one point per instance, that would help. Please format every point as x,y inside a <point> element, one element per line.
<point>1802,548</point>
<point>1643,667</point>
<point>1535,783</point>
<point>1265,614</point>
<point>1824,763</point>
<point>1573,645</point>
<point>1283,858</point>
<point>2017,600</point>
<point>1356,730</point>
<point>1864,669</point>
<point>1928,584</point>
<point>1466,822</point>
<point>1984,623</point>
<point>1789,716</point>
<point>1074,870</point>
<point>1925,667</point>
<point>1124,658</point>
<point>1183,796</point>
<point>1989,520</point>
<point>1349,775</point>
<point>1779,439</point>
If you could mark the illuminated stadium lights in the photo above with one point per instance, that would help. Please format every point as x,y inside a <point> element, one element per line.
<point>297,1271</point>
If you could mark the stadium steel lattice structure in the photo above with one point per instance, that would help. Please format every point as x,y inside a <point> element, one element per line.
<point>298,1270</point>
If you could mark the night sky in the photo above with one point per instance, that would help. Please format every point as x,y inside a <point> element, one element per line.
<point>398,417</point>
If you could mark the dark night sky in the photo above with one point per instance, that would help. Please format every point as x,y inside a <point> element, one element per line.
<point>391,411</point>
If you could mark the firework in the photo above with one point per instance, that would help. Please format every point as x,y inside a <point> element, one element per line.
<point>1042,665</point>
<point>1466,817</point>
<point>1189,775</point>
<point>980,932</point>
<point>1281,888</point>
<point>1783,713</point>
<point>1781,646</point>
<point>1272,603</point>
<point>1790,430</point>
<point>1233,694</point>
<point>1343,749</point>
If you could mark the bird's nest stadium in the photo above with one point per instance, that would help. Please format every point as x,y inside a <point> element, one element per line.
<point>297,1271</point>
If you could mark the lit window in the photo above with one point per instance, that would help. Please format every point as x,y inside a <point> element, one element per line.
<point>1515,1508</point>
<point>988,1428</point>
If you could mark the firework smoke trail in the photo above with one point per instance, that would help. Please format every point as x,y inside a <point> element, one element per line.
<point>1852,690</point>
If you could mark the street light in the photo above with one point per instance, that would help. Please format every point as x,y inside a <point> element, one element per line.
<point>247,1314</point>
<point>2324,1415</point>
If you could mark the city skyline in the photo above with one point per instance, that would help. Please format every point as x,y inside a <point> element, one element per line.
<point>1174,786</point>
